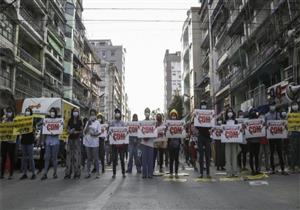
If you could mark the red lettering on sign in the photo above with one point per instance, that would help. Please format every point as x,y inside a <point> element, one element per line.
<point>52,126</point>
<point>117,136</point>
<point>218,132</point>
<point>149,129</point>
<point>276,130</point>
<point>175,130</point>
<point>204,119</point>
<point>133,129</point>
<point>255,129</point>
<point>231,134</point>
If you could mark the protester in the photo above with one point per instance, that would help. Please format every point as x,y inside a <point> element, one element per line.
<point>204,145</point>
<point>91,143</point>
<point>275,143</point>
<point>220,151</point>
<point>27,143</point>
<point>100,118</point>
<point>73,162</point>
<point>242,156</point>
<point>147,152</point>
<point>231,149</point>
<point>133,149</point>
<point>118,150</point>
<point>294,137</point>
<point>174,148</point>
<point>159,147</point>
<point>51,148</point>
<point>254,146</point>
<point>193,145</point>
<point>8,147</point>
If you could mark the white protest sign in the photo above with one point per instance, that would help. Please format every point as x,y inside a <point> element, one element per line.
<point>204,118</point>
<point>147,129</point>
<point>175,129</point>
<point>118,135</point>
<point>161,134</point>
<point>53,126</point>
<point>277,129</point>
<point>104,128</point>
<point>232,134</point>
<point>133,128</point>
<point>216,132</point>
<point>255,128</point>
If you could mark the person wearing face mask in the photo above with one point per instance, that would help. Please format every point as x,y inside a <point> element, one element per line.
<point>159,147</point>
<point>286,142</point>
<point>51,149</point>
<point>118,150</point>
<point>27,142</point>
<point>220,151</point>
<point>91,132</point>
<point>204,145</point>
<point>294,137</point>
<point>133,149</point>
<point>231,149</point>
<point>264,151</point>
<point>8,147</point>
<point>100,118</point>
<point>147,152</point>
<point>275,143</point>
<point>73,162</point>
<point>174,148</point>
<point>242,156</point>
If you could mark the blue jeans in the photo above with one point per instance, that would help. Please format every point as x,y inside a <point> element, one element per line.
<point>133,154</point>
<point>27,156</point>
<point>147,161</point>
<point>51,152</point>
<point>92,156</point>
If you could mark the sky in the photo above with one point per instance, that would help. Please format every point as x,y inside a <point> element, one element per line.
<point>145,42</point>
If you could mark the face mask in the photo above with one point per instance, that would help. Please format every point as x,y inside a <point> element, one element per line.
<point>295,107</point>
<point>52,114</point>
<point>203,107</point>
<point>147,114</point>
<point>27,113</point>
<point>272,108</point>
<point>93,118</point>
<point>283,114</point>
<point>219,122</point>
<point>230,114</point>
<point>118,115</point>
<point>75,114</point>
<point>9,114</point>
<point>173,118</point>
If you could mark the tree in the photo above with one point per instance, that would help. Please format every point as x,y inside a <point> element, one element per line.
<point>177,103</point>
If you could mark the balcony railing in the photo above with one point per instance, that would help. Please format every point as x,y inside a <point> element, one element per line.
<point>29,59</point>
<point>36,25</point>
<point>59,34</point>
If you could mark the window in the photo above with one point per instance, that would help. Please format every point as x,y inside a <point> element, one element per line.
<point>68,31</point>
<point>5,75</point>
<point>103,53</point>
<point>7,28</point>
<point>68,55</point>
<point>69,8</point>
<point>113,52</point>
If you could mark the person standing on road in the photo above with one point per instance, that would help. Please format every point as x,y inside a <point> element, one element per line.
<point>133,148</point>
<point>51,149</point>
<point>159,147</point>
<point>220,151</point>
<point>73,162</point>
<point>100,118</point>
<point>231,149</point>
<point>91,142</point>
<point>254,147</point>
<point>204,142</point>
<point>8,147</point>
<point>174,148</point>
<point>294,137</point>
<point>118,150</point>
<point>147,152</point>
<point>27,142</point>
<point>242,156</point>
<point>275,143</point>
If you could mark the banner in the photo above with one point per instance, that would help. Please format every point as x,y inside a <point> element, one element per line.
<point>255,128</point>
<point>118,135</point>
<point>294,122</point>
<point>175,129</point>
<point>232,134</point>
<point>23,125</point>
<point>147,129</point>
<point>8,138</point>
<point>6,128</point>
<point>277,129</point>
<point>103,128</point>
<point>133,128</point>
<point>161,134</point>
<point>216,132</point>
<point>53,126</point>
<point>204,118</point>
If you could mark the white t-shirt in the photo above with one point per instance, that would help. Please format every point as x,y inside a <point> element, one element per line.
<point>230,122</point>
<point>92,141</point>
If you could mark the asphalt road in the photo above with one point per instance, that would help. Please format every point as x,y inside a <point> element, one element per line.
<point>133,192</point>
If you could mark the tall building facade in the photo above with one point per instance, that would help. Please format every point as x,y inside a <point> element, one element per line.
<point>172,77</point>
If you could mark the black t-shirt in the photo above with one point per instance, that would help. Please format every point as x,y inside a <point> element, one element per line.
<point>27,138</point>
<point>77,126</point>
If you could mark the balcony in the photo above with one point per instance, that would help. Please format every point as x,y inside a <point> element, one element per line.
<point>205,39</point>
<point>58,32</point>
<point>32,21</point>
<point>219,37</point>
<point>257,21</point>
<point>224,82</point>
<point>29,59</point>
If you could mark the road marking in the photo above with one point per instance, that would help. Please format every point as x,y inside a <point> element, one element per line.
<point>258,183</point>
<point>256,177</point>
<point>174,180</point>
<point>230,179</point>
<point>205,180</point>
